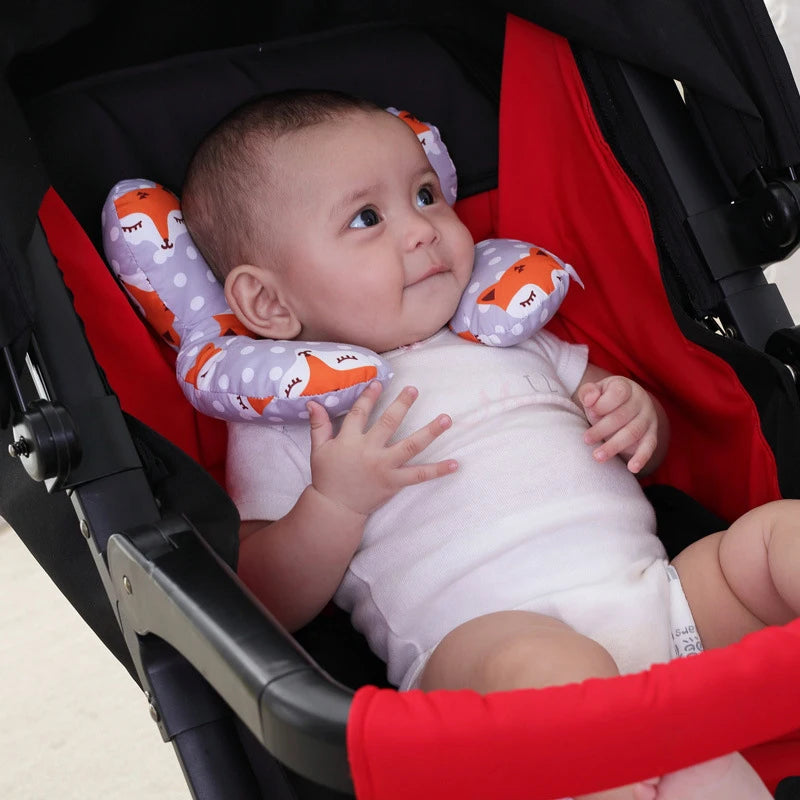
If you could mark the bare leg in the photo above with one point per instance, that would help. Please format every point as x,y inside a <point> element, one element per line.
<point>518,649</point>
<point>720,779</point>
<point>742,579</point>
<point>514,650</point>
<point>738,581</point>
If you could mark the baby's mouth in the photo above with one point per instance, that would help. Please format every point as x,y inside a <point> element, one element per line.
<point>436,269</point>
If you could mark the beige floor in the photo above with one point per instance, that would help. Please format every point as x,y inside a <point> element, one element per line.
<point>73,725</point>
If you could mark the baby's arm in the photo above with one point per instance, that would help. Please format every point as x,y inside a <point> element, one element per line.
<point>295,564</point>
<point>627,419</point>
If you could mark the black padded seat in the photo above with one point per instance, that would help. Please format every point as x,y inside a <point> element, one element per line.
<point>145,122</point>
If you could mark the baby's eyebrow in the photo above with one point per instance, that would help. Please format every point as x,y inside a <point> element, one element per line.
<point>345,203</point>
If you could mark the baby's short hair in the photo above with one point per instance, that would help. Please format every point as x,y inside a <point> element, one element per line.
<point>225,180</point>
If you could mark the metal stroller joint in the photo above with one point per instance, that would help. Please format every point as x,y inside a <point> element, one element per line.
<point>785,346</point>
<point>751,308</point>
<point>779,206</point>
<point>46,441</point>
<point>773,209</point>
<point>45,437</point>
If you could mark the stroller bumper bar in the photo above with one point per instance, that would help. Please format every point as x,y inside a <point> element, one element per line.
<point>169,583</point>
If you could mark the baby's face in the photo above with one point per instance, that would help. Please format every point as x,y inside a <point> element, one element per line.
<point>370,252</point>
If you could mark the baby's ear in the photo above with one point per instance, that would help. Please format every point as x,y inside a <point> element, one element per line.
<point>253,295</point>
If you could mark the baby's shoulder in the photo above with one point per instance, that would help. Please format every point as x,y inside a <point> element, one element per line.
<point>256,440</point>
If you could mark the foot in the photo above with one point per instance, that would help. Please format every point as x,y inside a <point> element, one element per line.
<point>726,778</point>
<point>646,790</point>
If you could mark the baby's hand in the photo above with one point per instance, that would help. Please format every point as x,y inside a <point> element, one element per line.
<point>359,468</point>
<point>623,416</point>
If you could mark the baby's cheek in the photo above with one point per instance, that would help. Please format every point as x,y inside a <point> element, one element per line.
<point>466,260</point>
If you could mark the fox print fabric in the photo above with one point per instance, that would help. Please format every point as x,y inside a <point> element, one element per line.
<point>222,369</point>
<point>228,373</point>
<point>516,288</point>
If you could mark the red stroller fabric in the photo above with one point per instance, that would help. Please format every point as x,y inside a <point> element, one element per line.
<point>137,366</point>
<point>560,186</point>
<point>545,744</point>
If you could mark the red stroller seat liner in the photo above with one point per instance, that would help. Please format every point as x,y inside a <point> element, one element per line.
<point>560,185</point>
<point>567,740</point>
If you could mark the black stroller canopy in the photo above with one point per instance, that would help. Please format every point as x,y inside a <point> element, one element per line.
<point>740,95</point>
<point>704,45</point>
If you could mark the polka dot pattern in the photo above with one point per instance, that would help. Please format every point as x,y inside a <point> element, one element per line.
<point>233,376</point>
<point>513,292</point>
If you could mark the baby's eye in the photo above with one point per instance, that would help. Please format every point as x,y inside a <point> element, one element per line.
<point>425,197</point>
<point>365,218</point>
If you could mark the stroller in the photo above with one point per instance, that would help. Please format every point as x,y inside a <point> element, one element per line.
<point>669,205</point>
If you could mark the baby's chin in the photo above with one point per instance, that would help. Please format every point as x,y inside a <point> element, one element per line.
<point>412,337</point>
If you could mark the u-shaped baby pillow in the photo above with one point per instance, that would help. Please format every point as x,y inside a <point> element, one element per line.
<point>227,372</point>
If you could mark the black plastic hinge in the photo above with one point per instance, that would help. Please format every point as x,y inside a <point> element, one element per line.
<point>785,346</point>
<point>753,231</point>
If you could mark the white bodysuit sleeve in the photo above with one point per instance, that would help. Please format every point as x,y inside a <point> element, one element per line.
<point>266,470</point>
<point>570,360</point>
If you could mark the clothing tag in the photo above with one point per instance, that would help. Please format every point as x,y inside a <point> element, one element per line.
<point>685,638</point>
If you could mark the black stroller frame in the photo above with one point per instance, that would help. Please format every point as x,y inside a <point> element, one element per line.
<point>159,586</point>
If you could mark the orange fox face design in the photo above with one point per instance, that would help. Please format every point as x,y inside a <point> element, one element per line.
<point>229,325</point>
<point>413,123</point>
<point>151,214</point>
<point>536,275</point>
<point>156,313</point>
<point>470,337</point>
<point>199,376</point>
<point>199,370</point>
<point>318,373</point>
<point>258,404</point>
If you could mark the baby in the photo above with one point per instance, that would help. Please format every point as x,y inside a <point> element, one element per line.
<point>505,544</point>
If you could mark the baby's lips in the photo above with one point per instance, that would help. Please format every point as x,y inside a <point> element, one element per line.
<point>435,269</point>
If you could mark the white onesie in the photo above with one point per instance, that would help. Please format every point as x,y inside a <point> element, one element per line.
<point>528,521</point>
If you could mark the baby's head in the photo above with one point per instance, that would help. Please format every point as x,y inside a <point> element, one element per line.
<point>325,220</point>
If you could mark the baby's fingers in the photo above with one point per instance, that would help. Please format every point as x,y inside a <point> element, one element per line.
<point>419,473</point>
<point>638,438</point>
<point>642,456</point>
<point>388,423</point>
<point>588,395</point>
<point>404,450</point>
<point>356,419</point>
<point>606,426</point>
<point>320,423</point>
<point>613,393</point>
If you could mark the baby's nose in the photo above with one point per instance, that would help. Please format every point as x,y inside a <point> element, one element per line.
<point>421,232</point>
